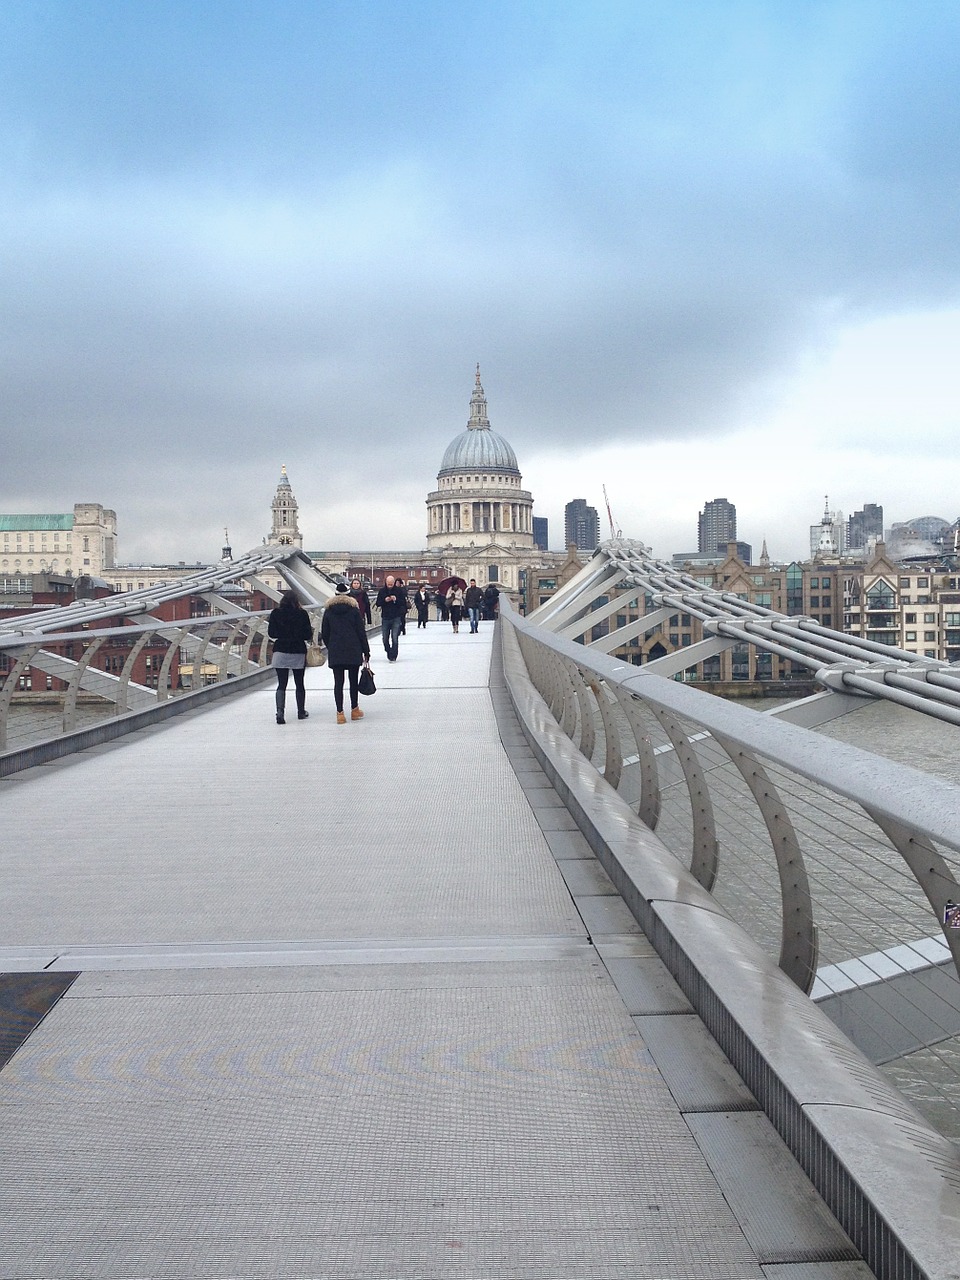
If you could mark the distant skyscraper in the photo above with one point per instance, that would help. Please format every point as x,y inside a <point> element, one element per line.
<point>540,532</point>
<point>581,525</point>
<point>716,526</point>
<point>864,525</point>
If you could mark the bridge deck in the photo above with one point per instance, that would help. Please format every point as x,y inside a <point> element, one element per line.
<point>338,1014</point>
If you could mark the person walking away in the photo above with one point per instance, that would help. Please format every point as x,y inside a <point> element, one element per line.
<point>289,628</point>
<point>422,600</point>
<point>363,600</point>
<point>392,603</point>
<point>491,602</point>
<point>455,606</point>
<point>473,599</point>
<point>345,637</point>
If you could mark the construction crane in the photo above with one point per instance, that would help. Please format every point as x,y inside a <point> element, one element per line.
<point>614,532</point>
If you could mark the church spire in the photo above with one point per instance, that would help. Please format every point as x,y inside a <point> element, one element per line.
<point>478,408</point>
<point>285,530</point>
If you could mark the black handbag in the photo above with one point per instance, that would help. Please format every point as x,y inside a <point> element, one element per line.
<point>366,684</point>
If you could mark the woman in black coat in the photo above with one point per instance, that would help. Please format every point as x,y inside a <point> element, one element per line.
<point>421,600</point>
<point>289,628</point>
<point>363,600</point>
<point>345,637</point>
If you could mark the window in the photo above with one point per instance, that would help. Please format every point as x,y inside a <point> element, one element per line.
<point>904,582</point>
<point>814,584</point>
<point>923,599</point>
<point>912,635</point>
<point>929,636</point>
<point>909,617</point>
<point>923,582</point>
<point>814,602</point>
<point>880,596</point>
<point>929,617</point>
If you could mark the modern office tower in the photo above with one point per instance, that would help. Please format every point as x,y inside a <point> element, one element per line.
<point>540,532</point>
<point>864,525</point>
<point>716,526</point>
<point>581,525</point>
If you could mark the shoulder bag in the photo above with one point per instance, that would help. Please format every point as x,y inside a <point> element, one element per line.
<point>315,655</point>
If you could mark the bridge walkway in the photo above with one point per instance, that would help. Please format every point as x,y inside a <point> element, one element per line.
<point>356,1001</point>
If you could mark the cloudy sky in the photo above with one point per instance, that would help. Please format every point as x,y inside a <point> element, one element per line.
<point>700,249</point>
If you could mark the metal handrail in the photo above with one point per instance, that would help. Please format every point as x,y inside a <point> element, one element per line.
<point>911,809</point>
<point>29,648</point>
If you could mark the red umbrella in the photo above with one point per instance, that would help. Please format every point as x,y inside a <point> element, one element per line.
<point>444,586</point>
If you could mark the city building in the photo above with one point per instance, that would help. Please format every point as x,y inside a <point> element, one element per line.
<point>479,498</point>
<point>541,533</point>
<point>581,525</point>
<point>828,538</point>
<point>479,517</point>
<point>865,528</point>
<point>284,530</point>
<point>716,527</point>
<point>83,541</point>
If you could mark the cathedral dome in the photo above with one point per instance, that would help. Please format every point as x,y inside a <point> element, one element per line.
<point>473,449</point>
<point>478,446</point>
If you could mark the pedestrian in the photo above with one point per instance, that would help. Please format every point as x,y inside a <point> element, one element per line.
<point>363,600</point>
<point>473,599</point>
<point>392,603</point>
<point>421,601</point>
<point>406,607</point>
<point>289,628</point>
<point>491,602</point>
<point>455,605</point>
<point>441,603</point>
<point>345,637</point>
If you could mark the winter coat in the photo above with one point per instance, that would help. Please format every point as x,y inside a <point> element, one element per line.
<point>421,600</point>
<point>473,597</point>
<point>290,630</point>
<point>396,605</point>
<point>343,633</point>
<point>455,598</point>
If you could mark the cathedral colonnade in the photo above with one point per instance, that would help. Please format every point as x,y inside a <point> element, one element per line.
<point>480,517</point>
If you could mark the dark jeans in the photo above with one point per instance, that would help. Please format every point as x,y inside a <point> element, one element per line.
<point>390,630</point>
<point>338,673</point>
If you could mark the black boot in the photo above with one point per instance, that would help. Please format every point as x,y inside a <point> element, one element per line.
<point>281,699</point>
<point>302,711</point>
